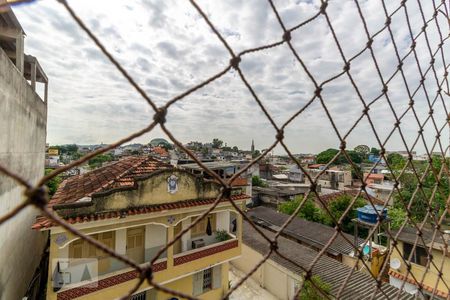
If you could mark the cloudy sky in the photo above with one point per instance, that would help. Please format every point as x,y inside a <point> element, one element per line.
<point>167,48</point>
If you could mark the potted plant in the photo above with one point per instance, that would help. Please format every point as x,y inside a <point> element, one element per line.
<point>222,235</point>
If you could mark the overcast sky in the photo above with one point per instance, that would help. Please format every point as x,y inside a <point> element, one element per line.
<point>167,48</point>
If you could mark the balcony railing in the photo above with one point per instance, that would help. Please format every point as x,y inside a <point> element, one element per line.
<point>204,251</point>
<point>107,280</point>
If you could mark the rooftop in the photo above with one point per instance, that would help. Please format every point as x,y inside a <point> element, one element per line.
<point>374,176</point>
<point>409,235</point>
<point>116,175</point>
<point>311,233</point>
<point>212,165</point>
<point>360,285</point>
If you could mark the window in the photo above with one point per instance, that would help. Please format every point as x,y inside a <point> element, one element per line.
<point>207,280</point>
<point>83,249</point>
<point>77,249</point>
<point>419,256</point>
<point>140,296</point>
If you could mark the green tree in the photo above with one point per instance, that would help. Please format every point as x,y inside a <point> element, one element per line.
<point>326,156</point>
<point>337,208</point>
<point>421,201</point>
<point>311,291</point>
<point>375,151</point>
<point>396,161</point>
<point>362,150</point>
<point>235,149</point>
<point>257,181</point>
<point>309,210</point>
<point>53,183</point>
<point>217,143</point>
<point>98,160</point>
<point>397,216</point>
<point>256,153</point>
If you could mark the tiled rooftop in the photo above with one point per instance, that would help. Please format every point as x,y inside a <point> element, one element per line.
<point>309,233</point>
<point>360,285</point>
<point>118,174</point>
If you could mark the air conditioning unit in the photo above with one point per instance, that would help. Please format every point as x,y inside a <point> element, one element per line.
<point>198,243</point>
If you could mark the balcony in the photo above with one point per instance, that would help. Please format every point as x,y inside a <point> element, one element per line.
<point>94,270</point>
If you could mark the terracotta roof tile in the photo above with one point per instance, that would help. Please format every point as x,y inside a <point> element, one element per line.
<point>118,174</point>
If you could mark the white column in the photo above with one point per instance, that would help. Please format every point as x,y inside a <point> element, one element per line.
<point>19,52</point>
<point>187,236</point>
<point>33,75</point>
<point>121,241</point>
<point>223,220</point>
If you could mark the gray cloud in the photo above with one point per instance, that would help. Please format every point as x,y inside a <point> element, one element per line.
<point>167,48</point>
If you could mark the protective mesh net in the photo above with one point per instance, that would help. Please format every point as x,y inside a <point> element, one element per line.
<point>431,88</point>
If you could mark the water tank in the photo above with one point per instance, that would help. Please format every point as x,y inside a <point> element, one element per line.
<point>369,215</point>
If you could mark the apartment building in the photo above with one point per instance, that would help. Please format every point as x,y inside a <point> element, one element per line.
<point>136,206</point>
<point>418,261</point>
<point>23,131</point>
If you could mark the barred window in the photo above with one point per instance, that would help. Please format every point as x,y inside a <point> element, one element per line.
<point>207,279</point>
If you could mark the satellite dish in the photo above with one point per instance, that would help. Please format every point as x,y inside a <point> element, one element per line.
<point>366,250</point>
<point>395,263</point>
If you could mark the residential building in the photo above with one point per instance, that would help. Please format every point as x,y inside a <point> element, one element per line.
<point>225,170</point>
<point>135,207</point>
<point>23,131</point>
<point>266,170</point>
<point>418,261</point>
<point>383,191</point>
<point>273,196</point>
<point>295,174</point>
<point>283,277</point>
<point>372,178</point>
<point>332,179</point>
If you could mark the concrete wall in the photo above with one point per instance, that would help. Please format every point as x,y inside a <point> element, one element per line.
<point>271,276</point>
<point>23,123</point>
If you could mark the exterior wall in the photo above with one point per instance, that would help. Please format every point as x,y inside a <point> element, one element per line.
<point>149,191</point>
<point>175,266</point>
<point>432,275</point>
<point>273,277</point>
<point>23,130</point>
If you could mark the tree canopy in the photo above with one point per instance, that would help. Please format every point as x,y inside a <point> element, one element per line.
<point>362,150</point>
<point>216,143</point>
<point>326,156</point>
<point>419,198</point>
<point>257,181</point>
<point>396,161</point>
<point>375,151</point>
<point>53,183</point>
<point>311,212</point>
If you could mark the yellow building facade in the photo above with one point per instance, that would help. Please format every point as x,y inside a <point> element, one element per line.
<point>139,210</point>
<point>419,271</point>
